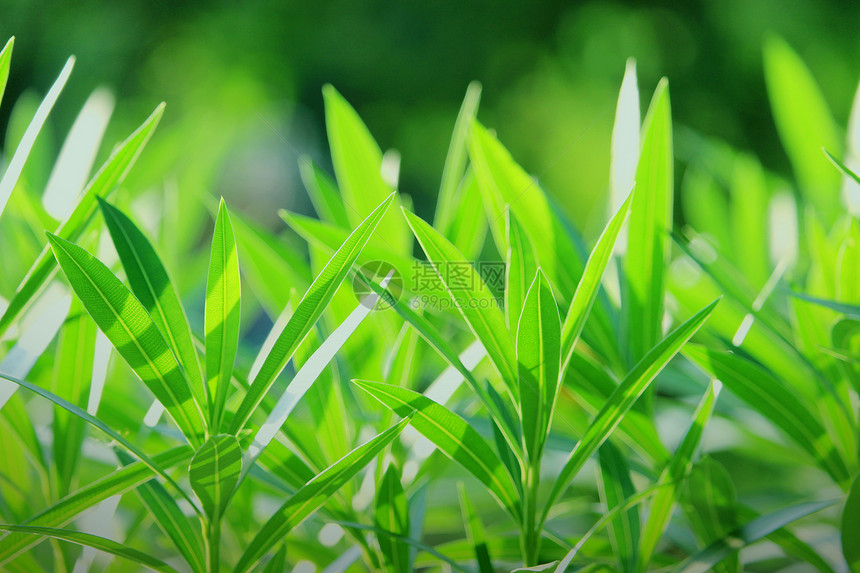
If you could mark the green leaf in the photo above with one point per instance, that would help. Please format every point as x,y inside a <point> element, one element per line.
<point>704,560</point>
<point>132,332</point>
<point>268,263</point>
<point>498,408</point>
<point>151,285</point>
<point>650,224</point>
<point>475,531</point>
<point>166,513</point>
<point>357,162</point>
<point>96,542</point>
<point>16,164</point>
<point>323,193</point>
<point>616,486</point>
<point>776,402</point>
<point>710,503</point>
<point>504,183</point>
<point>623,398</point>
<point>674,475</point>
<point>214,472</point>
<point>538,364</point>
<point>5,64</point>
<point>306,314</point>
<point>448,202</point>
<point>451,434</point>
<point>392,514</point>
<point>842,167</point>
<point>804,124</point>
<point>111,174</point>
<point>625,138</point>
<point>278,562</point>
<point>71,506</point>
<point>850,528</point>
<point>313,495</point>
<point>223,292</point>
<point>73,371</point>
<point>472,297</point>
<point>589,284</point>
<point>520,269</point>
<point>469,229</point>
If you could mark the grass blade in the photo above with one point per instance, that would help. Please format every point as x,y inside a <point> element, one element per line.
<point>615,487</point>
<point>357,162</point>
<point>520,269</point>
<point>73,371</point>
<point>96,542</point>
<point>323,193</point>
<point>650,224</point>
<point>5,64</point>
<point>111,174</point>
<point>132,332</point>
<point>704,560</point>
<point>313,495</point>
<point>474,531</point>
<point>804,124</point>
<point>447,202</point>
<point>850,528</point>
<point>453,436</point>
<point>538,363</point>
<point>93,421</point>
<point>223,293</point>
<point>76,158</point>
<point>306,314</point>
<point>308,373</point>
<point>170,519</point>
<point>68,508</point>
<point>776,402</point>
<point>499,409</point>
<point>710,503</point>
<point>392,514</point>
<point>589,284</point>
<point>471,295</point>
<point>19,158</point>
<point>625,139</point>
<point>214,472</point>
<point>151,285</point>
<point>675,475</point>
<point>622,399</point>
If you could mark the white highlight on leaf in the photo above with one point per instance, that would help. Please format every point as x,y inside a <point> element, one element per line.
<point>101,360</point>
<point>269,343</point>
<point>759,301</point>
<point>16,165</point>
<point>850,188</point>
<point>50,310</point>
<point>389,169</point>
<point>624,157</point>
<point>97,521</point>
<point>308,374</point>
<point>782,213</point>
<point>77,155</point>
<point>440,391</point>
<point>344,561</point>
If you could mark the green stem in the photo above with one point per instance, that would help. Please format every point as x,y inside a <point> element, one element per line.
<point>214,560</point>
<point>531,530</point>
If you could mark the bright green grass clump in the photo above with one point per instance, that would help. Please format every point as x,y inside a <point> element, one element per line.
<point>656,399</point>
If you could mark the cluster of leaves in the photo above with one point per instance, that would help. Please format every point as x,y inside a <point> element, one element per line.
<point>511,397</point>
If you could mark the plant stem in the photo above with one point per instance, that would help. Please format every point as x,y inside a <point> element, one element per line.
<point>531,534</point>
<point>214,545</point>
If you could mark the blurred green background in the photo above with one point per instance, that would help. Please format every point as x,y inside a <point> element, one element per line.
<point>242,82</point>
